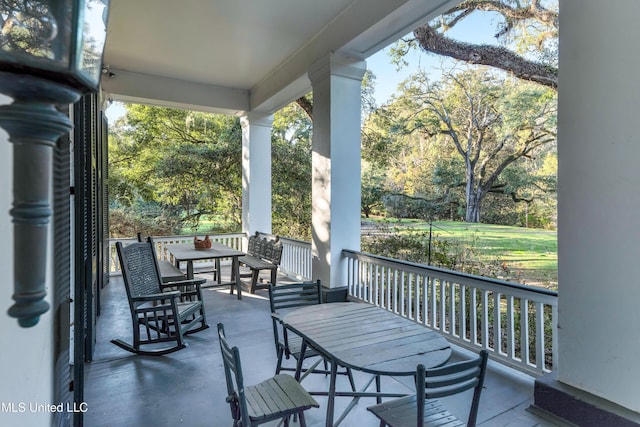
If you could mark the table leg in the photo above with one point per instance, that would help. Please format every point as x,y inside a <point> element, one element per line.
<point>218,271</point>
<point>331,397</point>
<point>190,269</point>
<point>303,349</point>
<point>235,275</point>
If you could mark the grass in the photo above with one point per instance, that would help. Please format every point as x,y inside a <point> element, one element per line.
<point>531,254</point>
<point>211,225</point>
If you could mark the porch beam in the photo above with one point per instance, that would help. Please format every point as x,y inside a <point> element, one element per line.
<point>163,91</point>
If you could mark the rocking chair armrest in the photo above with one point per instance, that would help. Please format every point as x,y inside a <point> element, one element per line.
<point>156,297</point>
<point>277,317</point>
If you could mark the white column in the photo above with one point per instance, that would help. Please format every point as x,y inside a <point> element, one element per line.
<point>256,173</point>
<point>599,199</point>
<point>335,215</point>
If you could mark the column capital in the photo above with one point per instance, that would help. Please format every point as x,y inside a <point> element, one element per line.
<point>337,65</point>
<point>256,119</point>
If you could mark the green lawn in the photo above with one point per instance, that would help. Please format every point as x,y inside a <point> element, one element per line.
<point>530,253</point>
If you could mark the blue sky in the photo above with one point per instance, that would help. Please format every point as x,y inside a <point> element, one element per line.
<point>477,28</point>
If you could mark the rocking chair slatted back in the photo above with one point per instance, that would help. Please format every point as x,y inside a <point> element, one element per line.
<point>141,275</point>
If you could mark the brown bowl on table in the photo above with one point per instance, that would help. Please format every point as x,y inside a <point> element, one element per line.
<point>202,244</point>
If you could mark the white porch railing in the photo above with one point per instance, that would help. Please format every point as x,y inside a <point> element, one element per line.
<point>474,312</point>
<point>296,254</point>
<point>296,258</point>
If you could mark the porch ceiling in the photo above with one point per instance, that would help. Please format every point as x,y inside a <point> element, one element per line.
<point>242,55</point>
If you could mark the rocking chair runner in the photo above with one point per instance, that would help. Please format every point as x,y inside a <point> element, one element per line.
<point>158,315</point>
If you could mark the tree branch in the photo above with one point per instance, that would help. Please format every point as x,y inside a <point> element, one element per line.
<point>304,103</point>
<point>495,56</point>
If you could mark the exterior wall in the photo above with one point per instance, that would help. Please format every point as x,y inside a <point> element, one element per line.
<point>26,365</point>
<point>599,201</point>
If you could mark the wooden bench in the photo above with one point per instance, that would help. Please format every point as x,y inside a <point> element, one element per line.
<point>262,254</point>
<point>169,272</point>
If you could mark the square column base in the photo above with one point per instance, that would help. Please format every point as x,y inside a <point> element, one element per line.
<point>338,294</point>
<point>579,407</point>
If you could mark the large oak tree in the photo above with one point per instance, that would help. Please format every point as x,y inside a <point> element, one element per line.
<point>473,121</point>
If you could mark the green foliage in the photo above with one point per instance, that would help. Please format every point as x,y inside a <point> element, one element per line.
<point>372,190</point>
<point>185,163</point>
<point>447,145</point>
<point>421,246</point>
<point>149,218</point>
<point>291,173</point>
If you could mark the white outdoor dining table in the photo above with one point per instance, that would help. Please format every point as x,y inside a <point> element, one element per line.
<point>366,338</point>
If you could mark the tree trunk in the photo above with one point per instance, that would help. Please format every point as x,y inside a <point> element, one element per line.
<point>473,209</point>
<point>474,198</point>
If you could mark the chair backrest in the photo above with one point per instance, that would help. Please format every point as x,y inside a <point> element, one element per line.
<point>233,377</point>
<point>294,295</point>
<point>452,379</point>
<point>140,270</point>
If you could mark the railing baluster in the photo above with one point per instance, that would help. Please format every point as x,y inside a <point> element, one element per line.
<point>433,309</point>
<point>511,345</point>
<point>453,322</point>
<point>389,287</point>
<point>395,290</point>
<point>554,338</point>
<point>524,331</point>
<point>473,316</point>
<point>497,327</point>
<point>540,352</point>
<point>462,310</point>
<point>443,305</point>
<point>485,319</point>
<point>411,295</point>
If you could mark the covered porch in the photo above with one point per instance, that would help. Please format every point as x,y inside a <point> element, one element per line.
<point>323,46</point>
<point>187,387</point>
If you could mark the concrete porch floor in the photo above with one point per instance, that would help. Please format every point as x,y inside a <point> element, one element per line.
<point>187,388</point>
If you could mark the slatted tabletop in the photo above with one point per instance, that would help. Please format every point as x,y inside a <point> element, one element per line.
<point>366,338</point>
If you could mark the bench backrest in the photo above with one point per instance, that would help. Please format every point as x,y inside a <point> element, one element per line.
<point>273,251</point>
<point>266,249</point>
